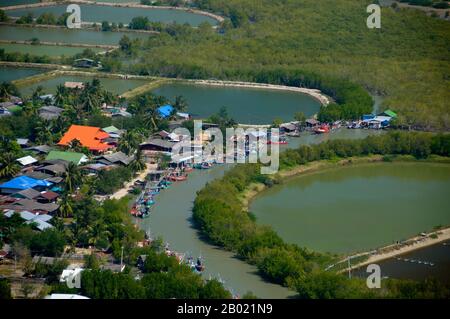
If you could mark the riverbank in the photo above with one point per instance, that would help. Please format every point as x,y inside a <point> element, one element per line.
<point>128,186</point>
<point>216,17</point>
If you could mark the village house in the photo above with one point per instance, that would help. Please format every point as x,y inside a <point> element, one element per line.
<point>50,112</point>
<point>90,137</point>
<point>39,149</point>
<point>74,157</point>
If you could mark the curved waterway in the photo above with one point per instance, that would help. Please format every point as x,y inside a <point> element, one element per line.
<point>357,208</point>
<point>171,219</point>
<point>245,105</point>
<point>97,13</point>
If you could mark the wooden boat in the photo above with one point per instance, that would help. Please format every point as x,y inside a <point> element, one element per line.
<point>322,129</point>
<point>178,178</point>
<point>282,141</point>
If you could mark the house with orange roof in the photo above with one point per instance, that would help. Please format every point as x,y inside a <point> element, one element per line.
<point>89,136</point>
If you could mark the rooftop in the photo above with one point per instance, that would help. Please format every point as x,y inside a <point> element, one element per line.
<point>89,136</point>
<point>74,157</point>
<point>24,182</point>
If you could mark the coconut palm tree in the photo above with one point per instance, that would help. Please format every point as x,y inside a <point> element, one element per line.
<point>65,206</point>
<point>44,129</point>
<point>7,89</point>
<point>97,232</point>
<point>129,141</point>
<point>31,108</point>
<point>72,177</point>
<point>180,103</point>
<point>8,165</point>
<point>61,95</point>
<point>138,163</point>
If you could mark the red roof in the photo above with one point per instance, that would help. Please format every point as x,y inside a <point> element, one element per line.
<point>49,195</point>
<point>89,136</point>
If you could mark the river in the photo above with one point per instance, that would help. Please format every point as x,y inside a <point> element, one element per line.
<point>357,208</point>
<point>171,219</point>
<point>96,13</point>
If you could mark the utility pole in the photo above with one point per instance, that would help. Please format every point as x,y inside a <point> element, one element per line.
<point>349,268</point>
<point>121,259</point>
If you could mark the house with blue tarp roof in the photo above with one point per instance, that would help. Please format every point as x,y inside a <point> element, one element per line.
<point>20,183</point>
<point>165,110</point>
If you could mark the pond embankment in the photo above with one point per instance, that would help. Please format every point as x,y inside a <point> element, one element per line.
<point>211,15</point>
<point>317,94</point>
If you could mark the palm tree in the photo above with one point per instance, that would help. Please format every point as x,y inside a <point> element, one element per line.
<point>65,207</point>
<point>61,95</point>
<point>7,89</point>
<point>31,108</point>
<point>180,103</point>
<point>8,165</point>
<point>37,93</point>
<point>72,177</point>
<point>151,117</point>
<point>97,232</point>
<point>44,131</point>
<point>138,163</point>
<point>129,142</point>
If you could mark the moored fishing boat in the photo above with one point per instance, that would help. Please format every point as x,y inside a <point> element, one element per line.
<point>178,178</point>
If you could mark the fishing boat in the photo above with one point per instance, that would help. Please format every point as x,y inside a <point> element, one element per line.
<point>322,129</point>
<point>203,165</point>
<point>178,178</point>
<point>199,265</point>
<point>281,141</point>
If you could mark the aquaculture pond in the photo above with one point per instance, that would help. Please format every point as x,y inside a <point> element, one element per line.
<point>117,86</point>
<point>8,74</point>
<point>357,208</point>
<point>98,13</point>
<point>48,50</point>
<point>7,3</point>
<point>62,35</point>
<point>248,106</point>
<point>427,262</point>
